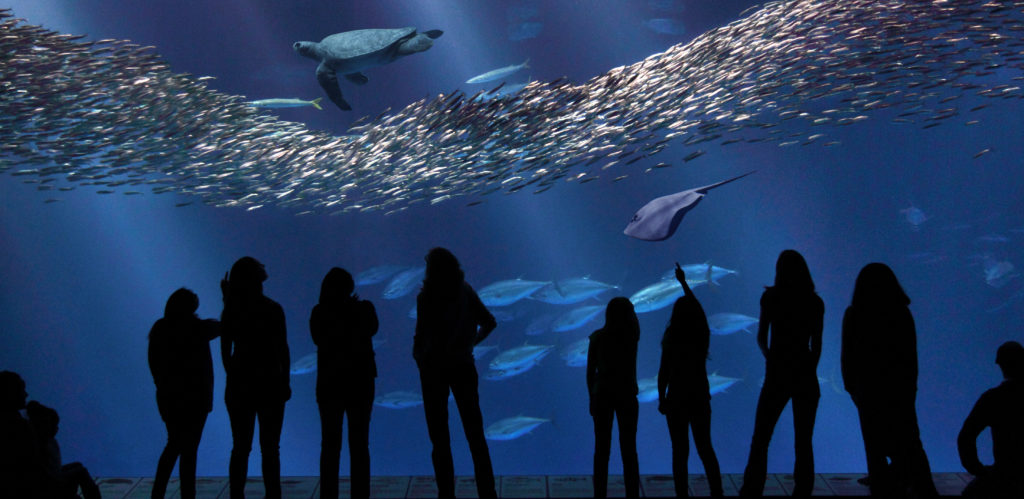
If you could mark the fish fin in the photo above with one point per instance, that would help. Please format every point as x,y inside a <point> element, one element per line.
<point>316,103</point>
<point>434,33</point>
<point>526,63</point>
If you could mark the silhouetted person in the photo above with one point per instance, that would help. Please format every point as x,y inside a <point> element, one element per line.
<point>789,335</point>
<point>182,368</point>
<point>684,396</point>
<point>1002,409</point>
<point>254,349</point>
<point>879,365</point>
<point>450,320</point>
<point>611,382</point>
<point>63,480</point>
<point>343,326</point>
<point>20,457</point>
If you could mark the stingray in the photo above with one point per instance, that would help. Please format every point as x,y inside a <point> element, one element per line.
<point>659,218</point>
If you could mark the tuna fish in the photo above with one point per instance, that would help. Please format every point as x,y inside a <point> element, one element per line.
<point>513,428</point>
<point>404,282</point>
<point>399,400</point>
<point>647,389</point>
<point>503,293</point>
<point>576,318</point>
<point>728,323</point>
<point>304,365</point>
<point>569,291</point>
<point>495,375</point>
<point>518,356</point>
<point>719,384</point>
<point>380,273</point>
<point>656,296</point>
<point>575,354</point>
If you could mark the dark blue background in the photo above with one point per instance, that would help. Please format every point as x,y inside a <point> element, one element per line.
<point>84,279</point>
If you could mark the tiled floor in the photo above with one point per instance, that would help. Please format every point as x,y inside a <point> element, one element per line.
<point>523,487</point>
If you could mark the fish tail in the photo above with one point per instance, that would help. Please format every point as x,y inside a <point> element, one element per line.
<point>316,103</point>
<point>526,63</point>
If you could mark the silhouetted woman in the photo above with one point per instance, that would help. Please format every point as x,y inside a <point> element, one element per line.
<point>182,368</point>
<point>254,348</point>
<point>343,326</point>
<point>450,320</point>
<point>789,335</point>
<point>684,396</point>
<point>879,364</point>
<point>611,381</point>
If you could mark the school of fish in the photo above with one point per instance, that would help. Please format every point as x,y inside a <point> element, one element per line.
<point>112,115</point>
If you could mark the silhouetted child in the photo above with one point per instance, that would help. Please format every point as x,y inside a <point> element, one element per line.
<point>254,349</point>
<point>450,320</point>
<point>21,468</point>
<point>182,368</point>
<point>63,480</point>
<point>879,365</point>
<point>611,382</point>
<point>684,396</point>
<point>1001,409</point>
<point>342,327</point>
<point>789,335</point>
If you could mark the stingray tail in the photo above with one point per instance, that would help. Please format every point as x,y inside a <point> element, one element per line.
<point>706,188</point>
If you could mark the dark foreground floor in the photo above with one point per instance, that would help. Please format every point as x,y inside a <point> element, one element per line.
<point>520,487</point>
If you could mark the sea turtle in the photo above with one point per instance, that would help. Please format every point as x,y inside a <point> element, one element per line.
<point>350,52</point>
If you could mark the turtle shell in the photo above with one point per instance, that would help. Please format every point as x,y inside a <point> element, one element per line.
<point>361,42</point>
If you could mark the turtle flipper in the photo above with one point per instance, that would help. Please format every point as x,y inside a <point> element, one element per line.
<point>357,78</point>
<point>329,81</point>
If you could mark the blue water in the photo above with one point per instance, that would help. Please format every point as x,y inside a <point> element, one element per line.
<point>84,279</point>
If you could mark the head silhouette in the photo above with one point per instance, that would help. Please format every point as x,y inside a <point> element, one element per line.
<point>443,270</point>
<point>877,286</point>
<point>182,304</point>
<point>246,278</point>
<point>685,314</point>
<point>336,286</point>
<point>1010,358</point>
<point>620,315</point>
<point>12,392</point>
<point>792,274</point>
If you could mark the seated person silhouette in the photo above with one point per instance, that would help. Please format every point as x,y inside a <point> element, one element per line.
<point>1002,409</point>
<point>20,461</point>
<point>62,480</point>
